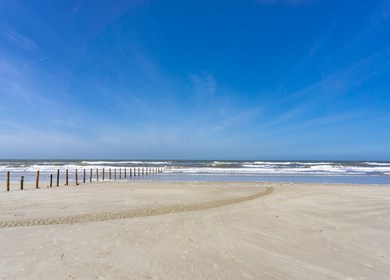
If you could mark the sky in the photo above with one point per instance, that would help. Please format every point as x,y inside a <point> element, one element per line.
<point>173,79</point>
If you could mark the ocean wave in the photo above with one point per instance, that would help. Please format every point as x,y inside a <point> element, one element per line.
<point>377,163</point>
<point>124,162</point>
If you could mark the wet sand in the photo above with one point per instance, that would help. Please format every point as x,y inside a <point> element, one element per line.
<point>162,230</point>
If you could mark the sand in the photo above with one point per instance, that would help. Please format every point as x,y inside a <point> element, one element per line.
<point>163,230</point>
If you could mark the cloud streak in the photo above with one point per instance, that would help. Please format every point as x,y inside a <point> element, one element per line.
<point>20,40</point>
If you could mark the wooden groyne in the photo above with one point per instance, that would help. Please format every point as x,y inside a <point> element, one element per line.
<point>95,175</point>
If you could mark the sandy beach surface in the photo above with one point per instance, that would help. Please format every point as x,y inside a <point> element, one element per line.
<point>172,230</point>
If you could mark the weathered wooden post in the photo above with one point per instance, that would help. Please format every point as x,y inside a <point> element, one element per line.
<point>51,181</point>
<point>84,175</point>
<point>58,177</point>
<point>103,174</point>
<point>130,172</point>
<point>66,177</point>
<point>109,173</point>
<point>120,173</point>
<point>90,175</point>
<point>139,172</point>
<point>114,173</point>
<point>21,182</point>
<point>125,173</point>
<point>8,180</point>
<point>37,180</point>
<point>76,177</point>
<point>97,175</point>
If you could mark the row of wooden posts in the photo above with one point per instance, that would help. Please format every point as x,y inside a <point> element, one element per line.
<point>133,171</point>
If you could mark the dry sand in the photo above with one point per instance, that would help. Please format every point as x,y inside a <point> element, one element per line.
<point>156,230</point>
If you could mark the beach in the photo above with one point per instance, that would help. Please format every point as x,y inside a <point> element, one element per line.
<point>196,230</point>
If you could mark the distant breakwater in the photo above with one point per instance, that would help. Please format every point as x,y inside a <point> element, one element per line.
<point>83,176</point>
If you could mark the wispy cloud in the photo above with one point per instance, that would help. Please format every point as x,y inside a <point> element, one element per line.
<point>237,120</point>
<point>20,40</point>
<point>45,58</point>
<point>76,7</point>
<point>204,84</point>
<point>327,120</point>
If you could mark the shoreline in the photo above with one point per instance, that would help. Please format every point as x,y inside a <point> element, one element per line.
<point>196,230</point>
<point>30,185</point>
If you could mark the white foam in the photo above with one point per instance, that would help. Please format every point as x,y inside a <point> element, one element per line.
<point>124,162</point>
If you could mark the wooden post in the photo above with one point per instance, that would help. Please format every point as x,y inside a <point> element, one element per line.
<point>138,171</point>
<point>37,180</point>
<point>97,175</point>
<point>130,172</point>
<point>120,173</point>
<point>109,173</point>
<point>84,175</point>
<point>143,171</point>
<point>66,177</point>
<point>90,175</point>
<point>8,180</point>
<point>51,181</point>
<point>21,182</point>
<point>114,173</point>
<point>125,173</point>
<point>76,177</point>
<point>58,177</point>
<point>103,174</point>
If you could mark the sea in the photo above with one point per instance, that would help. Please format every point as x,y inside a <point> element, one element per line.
<point>291,171</point>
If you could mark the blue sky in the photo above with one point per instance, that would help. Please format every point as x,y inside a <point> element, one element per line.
<point>149,79</point>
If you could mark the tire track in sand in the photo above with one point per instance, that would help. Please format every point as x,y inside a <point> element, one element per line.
<point>98,217</point>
